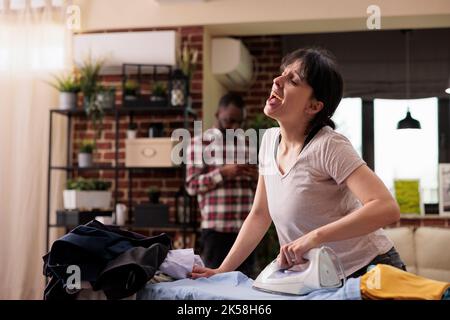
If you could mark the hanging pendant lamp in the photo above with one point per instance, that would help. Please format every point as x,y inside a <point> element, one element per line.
<point>448,86</point>
<point>408,122</point>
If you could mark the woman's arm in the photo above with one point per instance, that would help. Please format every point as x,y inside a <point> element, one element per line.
<point>379,210</point>
<point>252,231</point>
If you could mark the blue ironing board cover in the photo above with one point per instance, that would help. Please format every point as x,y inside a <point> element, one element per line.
<point>237,286</point>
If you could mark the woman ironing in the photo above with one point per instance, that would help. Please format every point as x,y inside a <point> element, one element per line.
<point>312,184</point>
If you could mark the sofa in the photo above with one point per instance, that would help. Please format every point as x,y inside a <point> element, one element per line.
<point>425,250</point>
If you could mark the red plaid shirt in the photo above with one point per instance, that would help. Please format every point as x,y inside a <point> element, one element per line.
<point>224,203</point>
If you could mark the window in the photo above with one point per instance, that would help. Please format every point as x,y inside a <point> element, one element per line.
<point>407,153</point>
<point>349,122</point>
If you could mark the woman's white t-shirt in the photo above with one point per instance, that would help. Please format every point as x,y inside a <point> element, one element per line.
<point>311,194</point>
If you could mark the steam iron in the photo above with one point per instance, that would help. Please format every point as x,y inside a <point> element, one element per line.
<point>322,270</point>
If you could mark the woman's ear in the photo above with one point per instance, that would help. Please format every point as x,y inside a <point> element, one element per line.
<point>315,107</point>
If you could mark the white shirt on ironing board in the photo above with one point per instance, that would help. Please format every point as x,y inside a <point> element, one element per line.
<point>311,194</point>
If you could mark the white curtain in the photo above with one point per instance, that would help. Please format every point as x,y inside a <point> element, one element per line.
<point>33,45</point>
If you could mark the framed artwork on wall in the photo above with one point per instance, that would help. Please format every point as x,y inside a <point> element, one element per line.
<point>444,189</point>
<point>407,194</point>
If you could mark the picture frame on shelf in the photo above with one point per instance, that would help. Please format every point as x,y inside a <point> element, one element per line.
<point>444,189</point>
<point>408,196</point>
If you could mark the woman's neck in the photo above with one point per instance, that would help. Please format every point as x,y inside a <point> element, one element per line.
<point>293,136</point>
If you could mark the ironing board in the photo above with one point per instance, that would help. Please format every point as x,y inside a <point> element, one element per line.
<point>237,286</point>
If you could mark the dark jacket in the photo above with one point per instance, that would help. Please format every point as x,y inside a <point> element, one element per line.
<point>116,261</point>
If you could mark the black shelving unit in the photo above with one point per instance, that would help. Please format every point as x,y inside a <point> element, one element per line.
<point>70,168</point>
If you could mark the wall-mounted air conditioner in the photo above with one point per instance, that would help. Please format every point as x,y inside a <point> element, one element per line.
<point>232,63</point>
<point>149,47</point>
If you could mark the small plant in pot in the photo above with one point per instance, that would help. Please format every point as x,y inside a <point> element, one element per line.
<point>153,194</point>
<point>85,154</point>
<point>159,94</point>
<point>68,86</point>
<point>132,130</point>
<point>130,89</point>
<point>87,194</point>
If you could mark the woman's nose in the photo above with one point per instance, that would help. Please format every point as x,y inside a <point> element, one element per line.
<point>278,81</point>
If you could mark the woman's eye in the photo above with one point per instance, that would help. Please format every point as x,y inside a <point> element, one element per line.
<point>293,81</point>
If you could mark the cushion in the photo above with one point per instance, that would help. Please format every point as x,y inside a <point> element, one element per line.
<point>403,238</point>
<point>432,253</point>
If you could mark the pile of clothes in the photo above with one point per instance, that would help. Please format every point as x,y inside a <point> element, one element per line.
<point>115,262</point>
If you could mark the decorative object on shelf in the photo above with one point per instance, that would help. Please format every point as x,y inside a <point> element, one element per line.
<point>73,218</point>
<point>130,89</point>
<point>158,97</point>
<point>180,89</point>
<point>408,122</point>
<point>121,214</point>
<point>106,97</point>
<point>68,86</point>
<point>152,215</point>
<point>187,61</point>
<point>444,189</point>
<point>149,152</point>
<point>89,78</point>
<point>407,194</point>
<point>85,154</point>
<point>155,130</point>
<point>132,130</point>
<point>87,194</point>
<point>153,194</point>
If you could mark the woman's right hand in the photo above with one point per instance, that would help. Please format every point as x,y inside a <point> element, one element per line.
<point>202,272</point>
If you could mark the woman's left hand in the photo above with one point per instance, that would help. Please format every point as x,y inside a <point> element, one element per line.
<point>293,252</point>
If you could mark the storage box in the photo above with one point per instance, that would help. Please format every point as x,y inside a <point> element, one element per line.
<point>151,215</point>
<point>86,200</point>
<point>149,152</point>
<point>73,218</point>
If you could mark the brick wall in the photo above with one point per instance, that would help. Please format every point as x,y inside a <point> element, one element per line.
<point>267,52</point>
<point>168,180</point>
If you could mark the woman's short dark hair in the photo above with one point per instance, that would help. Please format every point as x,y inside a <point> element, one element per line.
<point>319,69</point>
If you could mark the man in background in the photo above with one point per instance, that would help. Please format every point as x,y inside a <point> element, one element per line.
<point>224,192</point>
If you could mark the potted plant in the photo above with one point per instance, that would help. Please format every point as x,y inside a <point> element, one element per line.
<point>68,86</point>
<point>159,94</point>
<point>89,72</point>
<point>106,96</point>
<point>87,194</point>
<point>132,130</point>
<point>153,194</point>
<point>130,89</point>
<point>187,60</point>
<point>85,154</point>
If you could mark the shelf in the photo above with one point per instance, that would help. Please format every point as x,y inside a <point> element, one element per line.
<point>112,168</point>
<point>423,217</point>
<point>131,110</point>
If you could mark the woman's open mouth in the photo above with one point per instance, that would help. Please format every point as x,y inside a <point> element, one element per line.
<point>274,100</point>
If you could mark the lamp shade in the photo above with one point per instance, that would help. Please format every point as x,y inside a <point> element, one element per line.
<point>408,123</point>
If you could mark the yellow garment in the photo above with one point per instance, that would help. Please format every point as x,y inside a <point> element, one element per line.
<point>387,282</point>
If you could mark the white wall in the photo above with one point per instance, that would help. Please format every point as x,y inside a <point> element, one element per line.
<point>262,16</point>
